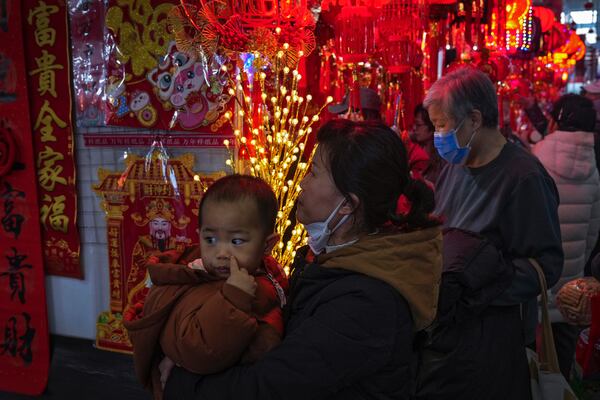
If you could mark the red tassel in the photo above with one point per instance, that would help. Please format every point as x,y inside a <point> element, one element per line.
<point>354,103</point>
<point>403,206</point>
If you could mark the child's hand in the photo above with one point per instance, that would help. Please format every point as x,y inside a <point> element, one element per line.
<point>165,367</point>
<point>197,264</point>
<point>240,278</point>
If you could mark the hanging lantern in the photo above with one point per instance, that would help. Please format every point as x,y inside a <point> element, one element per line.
<point>354,35</point>
<point>558,35</point>
<point>546,17</point>
<point>571,51</point>
<point>401,41</point>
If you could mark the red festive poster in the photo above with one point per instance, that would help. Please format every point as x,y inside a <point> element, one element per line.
<point>150,207</point>
<point>49,80</point>
<point>24,352</point>
<point>151,83</point>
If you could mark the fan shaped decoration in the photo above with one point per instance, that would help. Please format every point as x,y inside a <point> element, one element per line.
<point>245,26</point>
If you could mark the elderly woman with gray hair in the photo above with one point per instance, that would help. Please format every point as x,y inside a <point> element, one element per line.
<point>499,207</point>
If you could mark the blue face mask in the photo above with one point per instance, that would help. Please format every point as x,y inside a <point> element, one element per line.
<point>448,148</point>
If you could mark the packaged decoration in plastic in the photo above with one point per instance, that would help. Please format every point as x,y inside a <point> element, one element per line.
<point>574,300</point>
<point>151,207</point>
<point>89,65</point>
<point>151,83</point>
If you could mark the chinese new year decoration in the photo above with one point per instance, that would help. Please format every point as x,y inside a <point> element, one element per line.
<point>150,207</point>
<point>273,126</point>
<point>50,87</point>
<point>24,340</point>
<point>154,83</point>
<point>265,27</point>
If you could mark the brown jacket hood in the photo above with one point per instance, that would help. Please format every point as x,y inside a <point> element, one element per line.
<point>410,262</point>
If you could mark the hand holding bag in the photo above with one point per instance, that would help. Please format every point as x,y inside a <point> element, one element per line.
<point>547,383</point>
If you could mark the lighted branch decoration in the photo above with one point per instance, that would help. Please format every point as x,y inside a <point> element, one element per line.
<point>271,129</point>
<point>272,121</point>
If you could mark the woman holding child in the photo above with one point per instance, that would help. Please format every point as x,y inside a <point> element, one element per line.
<point>358,293</point>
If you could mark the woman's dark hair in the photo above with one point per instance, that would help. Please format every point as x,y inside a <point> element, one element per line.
<point>369,160</point>
<point>573,112</point>
<point>241,187</point>
<point>422,112</point>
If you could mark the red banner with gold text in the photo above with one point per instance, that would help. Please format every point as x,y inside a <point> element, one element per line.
<point>24,351</point>
<point>46,40</point>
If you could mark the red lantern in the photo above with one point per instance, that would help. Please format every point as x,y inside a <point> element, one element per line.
<point>354,36</point>
<point>559,33</point>
<point>574,48</point>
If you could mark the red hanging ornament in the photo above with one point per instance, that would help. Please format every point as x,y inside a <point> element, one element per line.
<point>354,34</point>
<point>546,17</point>
<point>401,41</point>
<point>245,26</point>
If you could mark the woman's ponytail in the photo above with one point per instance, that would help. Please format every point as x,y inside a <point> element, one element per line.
<point>414,206</point>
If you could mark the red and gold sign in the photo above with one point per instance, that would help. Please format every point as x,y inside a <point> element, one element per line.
<point>49,80</point>
<point>150,207</point>
<point>24,350</point>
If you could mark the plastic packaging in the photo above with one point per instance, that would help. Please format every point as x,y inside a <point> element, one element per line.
<point>89,66</point>
<point>151,83</point>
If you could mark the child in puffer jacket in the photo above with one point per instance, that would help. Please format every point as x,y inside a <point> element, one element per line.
<point>207,314</point>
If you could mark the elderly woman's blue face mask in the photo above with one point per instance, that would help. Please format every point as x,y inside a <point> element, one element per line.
<point>447,146</point>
